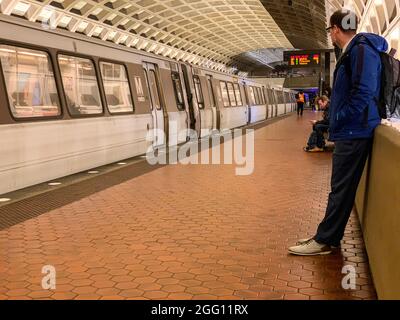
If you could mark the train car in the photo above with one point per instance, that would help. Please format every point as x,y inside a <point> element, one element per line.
<point>272,106</point>
<point>280,101</point>
<point>257,102</point>
<point>69,103</point>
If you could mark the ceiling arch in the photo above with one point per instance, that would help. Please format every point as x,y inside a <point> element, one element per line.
<point>197,31</point>
<point>302,21</point>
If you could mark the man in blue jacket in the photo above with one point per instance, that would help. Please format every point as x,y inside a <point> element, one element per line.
<point>353,119</point>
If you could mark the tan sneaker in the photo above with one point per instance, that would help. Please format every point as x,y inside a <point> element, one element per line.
<point>302,241</point>
<point>316,149</point>
<point>310,248</point>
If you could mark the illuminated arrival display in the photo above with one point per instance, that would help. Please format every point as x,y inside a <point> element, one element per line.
<point>303,59</point>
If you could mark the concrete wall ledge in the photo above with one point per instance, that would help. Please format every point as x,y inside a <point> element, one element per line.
<point>378,207</point>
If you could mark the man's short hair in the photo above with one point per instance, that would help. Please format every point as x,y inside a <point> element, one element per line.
<point>345,20</point>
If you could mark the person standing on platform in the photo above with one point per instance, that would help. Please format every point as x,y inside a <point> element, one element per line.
<point>300,103</point>
<point>353,118</point>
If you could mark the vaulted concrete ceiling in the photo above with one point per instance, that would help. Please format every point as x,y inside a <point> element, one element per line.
<point>197,31</point>
<point>222,34</point>
<point>302,21</point>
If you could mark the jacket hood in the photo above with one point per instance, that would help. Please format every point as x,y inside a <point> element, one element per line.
<point>377,42</point>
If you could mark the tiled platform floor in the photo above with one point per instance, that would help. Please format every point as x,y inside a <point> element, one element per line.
<point>192,232</point>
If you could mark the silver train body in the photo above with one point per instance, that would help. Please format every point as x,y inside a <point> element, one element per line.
<point>45,136</point>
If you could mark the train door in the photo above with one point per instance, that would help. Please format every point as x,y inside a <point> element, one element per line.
<point>190,97</point>
<point>214,107</point>
<point>247,101</point>
<point>265,101</point>
<point>156,104</point>
<point>284,102</point>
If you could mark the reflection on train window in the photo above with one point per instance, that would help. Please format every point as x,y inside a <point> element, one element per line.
<point>30,82</point>
<point>116,87</point>
<point>262,96</point>
<point>155,94</point>
<point>199,92</point>
<point>281,98</point>
<point>225,95</point>
<point>231,93</point>
<point>271,96</point>
<point>176,80</point>
<point>211,91</point>
<point>146,75</point>
<point>252,96</point>
<point>238,95</point>
<point>80,85</point>
<point>257,95</point>
<point>265,95</point>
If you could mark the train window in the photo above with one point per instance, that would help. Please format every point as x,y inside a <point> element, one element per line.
<point>80,85</point>
<point>271,96</point>
<point>154,89</point>
<point>178,90</point>
<point>30,82</point>
<point>238,95</point>
<point>266,97</point>
<point>263,96</point>
<point>231,93</point>
<point>260,96</point>
<point>225,95</point>
<point>252,96</point>
<point>211,91</point>
<point>199,92</point>
<point>146,75</point>
<point>262,100</point>
<point>257,95</point>
<point>116,87</point>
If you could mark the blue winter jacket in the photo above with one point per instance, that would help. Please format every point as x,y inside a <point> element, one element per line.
<point>356,89</point>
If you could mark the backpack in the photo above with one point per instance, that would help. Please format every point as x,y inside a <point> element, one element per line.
<point>388,101</point>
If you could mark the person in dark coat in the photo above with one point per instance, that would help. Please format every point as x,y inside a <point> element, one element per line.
<point>353,117</point>
<point>316,142</point>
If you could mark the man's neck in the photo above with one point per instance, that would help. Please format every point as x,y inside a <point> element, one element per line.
<point>347,42</point>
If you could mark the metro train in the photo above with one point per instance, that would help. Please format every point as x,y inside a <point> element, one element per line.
<point>69,103</point>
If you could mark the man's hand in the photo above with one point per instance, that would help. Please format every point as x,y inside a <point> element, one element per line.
<point>313,121</point>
